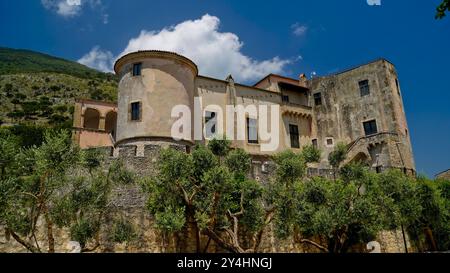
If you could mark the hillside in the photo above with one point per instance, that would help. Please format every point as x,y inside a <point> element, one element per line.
<point>14,61</point>
<point>40,89</point>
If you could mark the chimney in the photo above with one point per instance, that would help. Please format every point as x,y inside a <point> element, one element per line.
<point>303,80</point>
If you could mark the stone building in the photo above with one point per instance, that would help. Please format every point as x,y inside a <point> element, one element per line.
<point>361,107</point>
<point>444,175</point>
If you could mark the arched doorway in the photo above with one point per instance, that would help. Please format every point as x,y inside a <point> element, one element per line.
<point>111,123</point>
<point>361,158</point>
<point>91,119</point>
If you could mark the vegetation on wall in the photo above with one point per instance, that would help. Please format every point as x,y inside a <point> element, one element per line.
<point>210,189</point>
<point>58,183</point>
<point>210,192</point>
<point>39,89</point>
<point>14,61</point>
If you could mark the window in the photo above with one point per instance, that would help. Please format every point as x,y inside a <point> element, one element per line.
<point>398,86</point>
<point>137,69</point>
<point>315,143</point>
<point>136,111</point>
<point>370,127</point>
<point>210,123</point>
<point>364,88</point>
<point>285,98</point>
<point>330,142</point>
<point>252,130</point>
<point>293,132</point>
<point>318,99</point>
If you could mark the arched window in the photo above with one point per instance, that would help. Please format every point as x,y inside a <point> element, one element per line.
<point>110,123</point>
<point>91,119</point>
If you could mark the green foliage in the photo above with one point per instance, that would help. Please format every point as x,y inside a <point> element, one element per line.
<point>14,61</point>
<point>28,135</point>
<point>56,182</point>
<point>239,162</point>
<point>171,219</point>
<point>339,212</point>
<point>123,231</point>
<point>353,172</point>
<point>120,174</point>
<point>435,215</point>
<point>219,147</point>
<point>442,9</point>
<point>208,188</point>
<point>290,167</point>
<point>338,156</point>
<point>311,154</point>
<point>92,159</point>
<point>403,193</point>
<point>83,231</point>
<point>34,83</point>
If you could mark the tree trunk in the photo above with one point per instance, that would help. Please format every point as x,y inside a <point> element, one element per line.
<point>27,245</point>
<point>430,238</point>
<point>318,246</point>
<point>50,238</point>
<point>222,243</point>
<point>404,240</point>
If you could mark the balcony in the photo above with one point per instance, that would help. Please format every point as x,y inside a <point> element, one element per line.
<point>296,110</point>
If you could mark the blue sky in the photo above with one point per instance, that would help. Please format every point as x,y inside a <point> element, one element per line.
<point>250,38</point>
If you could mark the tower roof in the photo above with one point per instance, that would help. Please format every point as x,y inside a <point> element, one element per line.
<point>142,54</point>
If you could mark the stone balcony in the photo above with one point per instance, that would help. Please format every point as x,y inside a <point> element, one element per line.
<point>296,110</point>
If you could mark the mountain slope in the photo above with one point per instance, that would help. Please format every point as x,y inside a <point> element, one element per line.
<point>40,89</point>
<point>13,61</point>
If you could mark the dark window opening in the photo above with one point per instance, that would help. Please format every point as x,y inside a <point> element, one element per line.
<point>379,169</point>
<point>295,137</point>
<point>315,143</point>
<point>136,111</point>
<point>285,99</point>
<point>210,123</point>
<point>252,131</point>
<point>370,127</point>
<point>318,99</point>
<point>398,86</point>
<point>137,69</point>
<point>364,88</point>
<point>329,141</point>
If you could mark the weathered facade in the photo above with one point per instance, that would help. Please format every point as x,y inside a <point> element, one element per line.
<point>361,107</point>
<point>444,175</point>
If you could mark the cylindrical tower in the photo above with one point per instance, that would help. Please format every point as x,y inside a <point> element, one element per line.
<point>151,84</point>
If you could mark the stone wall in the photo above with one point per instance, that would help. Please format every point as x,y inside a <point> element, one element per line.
<point>444,175</point>
<point>343,111</point>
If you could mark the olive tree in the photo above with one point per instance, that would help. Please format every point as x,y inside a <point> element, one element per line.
<point>334,215</point>
<point>56,182</point>
<point>209,189</point>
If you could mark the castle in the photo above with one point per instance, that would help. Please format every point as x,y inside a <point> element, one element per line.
<point>361,107</point>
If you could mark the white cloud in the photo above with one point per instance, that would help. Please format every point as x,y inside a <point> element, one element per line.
<point>298,29</point>
<point>98,59</point>
<point>73,8</point>
<point>216,53</point>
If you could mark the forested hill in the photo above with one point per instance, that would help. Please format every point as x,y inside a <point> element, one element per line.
<point>40,89</point>
<point>14,61</point>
